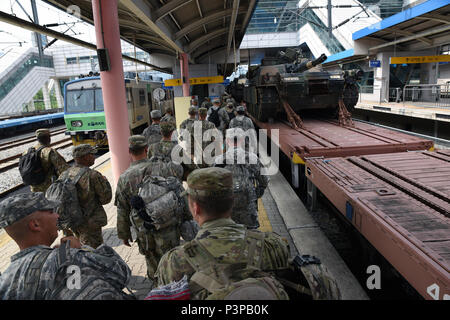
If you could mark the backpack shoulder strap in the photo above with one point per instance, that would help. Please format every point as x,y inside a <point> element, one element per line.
<point>33,274</point>
<point>255,248</point>
<point>206,275</point>
<point>80,174</point>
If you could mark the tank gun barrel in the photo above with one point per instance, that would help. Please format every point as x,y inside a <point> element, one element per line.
<point>310,64</point>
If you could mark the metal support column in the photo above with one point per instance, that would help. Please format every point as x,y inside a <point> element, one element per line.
<point>106,23</point>
<point>184,70</point>
<point>46,94</point>
<point>37,35</point>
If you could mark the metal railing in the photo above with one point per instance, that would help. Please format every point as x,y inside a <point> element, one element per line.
<point>428,95</point>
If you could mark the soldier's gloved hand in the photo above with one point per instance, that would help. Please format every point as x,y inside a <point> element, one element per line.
<point>74,242</point>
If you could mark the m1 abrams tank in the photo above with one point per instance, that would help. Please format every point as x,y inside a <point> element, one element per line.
<point>290,84</point>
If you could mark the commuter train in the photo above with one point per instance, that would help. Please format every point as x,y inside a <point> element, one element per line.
<point>84,110</point>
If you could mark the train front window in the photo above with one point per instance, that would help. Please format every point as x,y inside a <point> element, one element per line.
<point>80,101</point>
<point>98,100</point>
<point>84,100</point>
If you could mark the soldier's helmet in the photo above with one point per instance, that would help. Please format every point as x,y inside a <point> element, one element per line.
<point>166,128</point>
<point>42,132</point>
<point>137,142</point>
<point>82,150</point>
<point>192,110</point>
<point>155,114</point>
<point>210,182</point>
<point>240,109</point>
<point>17,207</point>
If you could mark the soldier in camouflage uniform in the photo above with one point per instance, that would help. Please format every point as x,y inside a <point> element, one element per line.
<point>94,191</point>
<point>210,198</point>
<point>52,162</point>
<point>203,126</point>
<point>246,169</point>
<point>241,121</point>
<point>223,115</point>
<point>30,220</point>
<point>188,123</point>
<point>153,131</point>
<point>168,117</point>
<point>229,108</point>
<point>206,103</point>
<point>152,244</point>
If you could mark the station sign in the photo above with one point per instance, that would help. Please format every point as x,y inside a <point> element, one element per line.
<point>374,63</point>
<point>194,81</point>
<point>420,59</point>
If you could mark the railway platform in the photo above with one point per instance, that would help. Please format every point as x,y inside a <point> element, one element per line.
<point>280,211</point>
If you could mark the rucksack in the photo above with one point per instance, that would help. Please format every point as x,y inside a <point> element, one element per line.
<point>93,284</point>
<point>238,281</point>
<point>158,203</point>
<point>306,278</point>
<point>30,167</point>
<point>214,117</point>
<point>243,183</point>
<point>64,190</point>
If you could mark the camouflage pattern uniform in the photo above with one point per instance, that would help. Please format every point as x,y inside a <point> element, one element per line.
<point>168,117</point>
<point>205,126</point>
<point>152,133</point>
<point>223,238</point>
<point>241,121</point>
<point>229,108</point>
<point>52,162</point>
<point>94,191</point>
<point>31,274</point>
<point>223,116</point>
<point>257,183</point>
<point>152,244</point>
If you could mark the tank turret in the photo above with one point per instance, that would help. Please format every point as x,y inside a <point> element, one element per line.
<point>292,79</point>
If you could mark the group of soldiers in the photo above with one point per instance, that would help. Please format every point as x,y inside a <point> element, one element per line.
<point>223,206</point>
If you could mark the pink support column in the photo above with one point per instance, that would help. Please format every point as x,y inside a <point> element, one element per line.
<point>184,67</point>
<point>113,84</point>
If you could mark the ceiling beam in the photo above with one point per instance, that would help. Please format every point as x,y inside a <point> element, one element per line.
<point>169,8</point>
<point>435,17</point>
<point>10,19</point>
<point>207,19</point>
<point>141,9</point>
<point>414,37</point>
<point>408,33</point>
<point>231,35</point>
<point>211,35</point>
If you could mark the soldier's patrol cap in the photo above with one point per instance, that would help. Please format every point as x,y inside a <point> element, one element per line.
<point>216,100</point>
<point>137,141</point>
<point>42,132</point>
<point>240,108</point>
<point>19,206</point>
<point>210,182</point>
<point>155,114</point>
<point>202,111</point>
<point>230,104</point>
<point>82,150</point>
<point>192,110</point>
<point>166,128</point>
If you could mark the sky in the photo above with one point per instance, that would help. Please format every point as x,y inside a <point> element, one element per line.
<point>10,36</point>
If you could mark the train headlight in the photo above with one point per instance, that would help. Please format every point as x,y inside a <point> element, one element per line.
<point>76,123</point>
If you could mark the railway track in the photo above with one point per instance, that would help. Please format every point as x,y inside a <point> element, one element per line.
<point>12,162</point>
<point>19,142</point>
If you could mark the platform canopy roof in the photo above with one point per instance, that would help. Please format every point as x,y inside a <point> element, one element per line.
<point>422,26</point>
<point>197,27</point>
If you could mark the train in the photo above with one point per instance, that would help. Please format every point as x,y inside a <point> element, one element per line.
<point>84,114</point>
<point>13,126</point>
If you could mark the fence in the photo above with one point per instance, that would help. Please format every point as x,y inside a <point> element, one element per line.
<point>428,95</point>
